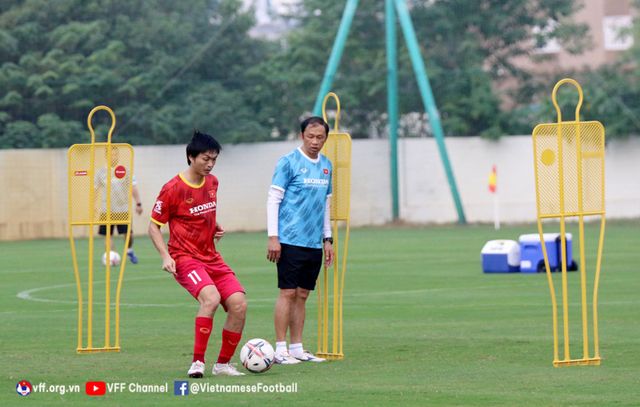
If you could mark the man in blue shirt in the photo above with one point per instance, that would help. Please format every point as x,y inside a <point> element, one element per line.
<point>299,229</point>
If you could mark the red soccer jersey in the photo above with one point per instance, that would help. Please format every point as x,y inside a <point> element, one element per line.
<point>190,211</point>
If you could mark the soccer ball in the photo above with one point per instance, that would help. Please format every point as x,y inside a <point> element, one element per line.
<point>114,259</point>
<point>257,355</point>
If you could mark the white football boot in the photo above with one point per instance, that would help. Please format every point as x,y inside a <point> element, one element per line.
<point>225,369</point>
<point>196,370</point>
<point>309,357</point>
<point>284,358</point>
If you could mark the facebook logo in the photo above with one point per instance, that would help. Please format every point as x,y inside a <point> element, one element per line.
<point>180,388</point>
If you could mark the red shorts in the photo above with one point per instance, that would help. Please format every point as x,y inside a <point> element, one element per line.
<point>194,275</point>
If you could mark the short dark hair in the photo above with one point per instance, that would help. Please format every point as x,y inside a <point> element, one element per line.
<point>314,120</point>
<point>201,143</point>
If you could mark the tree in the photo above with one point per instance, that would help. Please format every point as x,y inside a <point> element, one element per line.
<point>165,67</point>
<point>610,95</point>
<point>468,46</point>
<point>168,67</point>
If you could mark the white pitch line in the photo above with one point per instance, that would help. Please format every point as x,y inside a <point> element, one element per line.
<point>27,295</point>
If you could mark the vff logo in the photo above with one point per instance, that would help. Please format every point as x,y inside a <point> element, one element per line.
<point>24,388</point>
<point>180,388</point>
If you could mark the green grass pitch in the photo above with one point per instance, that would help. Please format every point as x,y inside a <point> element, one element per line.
<point>423,326</point>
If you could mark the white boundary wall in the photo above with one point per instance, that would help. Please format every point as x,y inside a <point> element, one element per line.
<point>33,203</point>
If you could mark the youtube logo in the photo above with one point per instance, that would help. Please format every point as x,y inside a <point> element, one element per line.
<point>95,388</point>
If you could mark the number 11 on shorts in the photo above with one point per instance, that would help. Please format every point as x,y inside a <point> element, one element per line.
<point>194,277</point>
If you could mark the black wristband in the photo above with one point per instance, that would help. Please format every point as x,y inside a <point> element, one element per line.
<point>328,239</point>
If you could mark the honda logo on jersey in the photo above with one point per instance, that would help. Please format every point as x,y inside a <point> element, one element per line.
<point>204,208</point>
<point>315,181</point>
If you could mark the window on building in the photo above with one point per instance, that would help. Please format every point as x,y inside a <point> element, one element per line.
<point>617,32</point>
<point>551,46</point>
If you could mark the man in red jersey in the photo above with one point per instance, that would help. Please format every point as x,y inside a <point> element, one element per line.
<point>188,204</point>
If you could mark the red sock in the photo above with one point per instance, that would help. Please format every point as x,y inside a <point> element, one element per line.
<point>203,331</point>
<point>230,342</point>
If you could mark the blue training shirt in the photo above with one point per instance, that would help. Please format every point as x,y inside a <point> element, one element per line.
<point>306,184</point>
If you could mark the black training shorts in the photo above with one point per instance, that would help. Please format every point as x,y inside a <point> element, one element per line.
<point>122,229</point>
<point>299,267</point>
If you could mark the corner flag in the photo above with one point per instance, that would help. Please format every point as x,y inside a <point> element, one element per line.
<point>493,180</point>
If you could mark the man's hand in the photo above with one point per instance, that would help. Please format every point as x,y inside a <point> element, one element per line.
<point>328,254</point>
<point>168,264</point>
<point>139,208</point>
<point>273,249</point>
<point>219,233</point>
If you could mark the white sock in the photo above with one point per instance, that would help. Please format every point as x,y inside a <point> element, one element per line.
<point>129,250</point>
<point>281,347</point>
<point>295,349</point>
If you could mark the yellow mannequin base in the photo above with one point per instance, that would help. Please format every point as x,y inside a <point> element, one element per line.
<point>96,350</point>
<point>577,362</point>
<point>330,356</point>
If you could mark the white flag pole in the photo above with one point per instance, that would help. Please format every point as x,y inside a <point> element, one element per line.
<point>496,211</point>
<point>493,188</point>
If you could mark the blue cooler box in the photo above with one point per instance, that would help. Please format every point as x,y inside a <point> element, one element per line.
<point>500,256</point>
<point>531,258</point>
